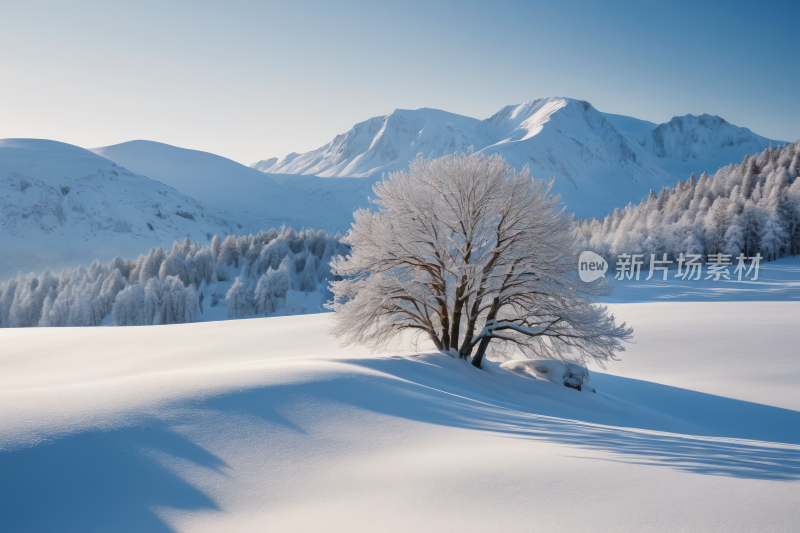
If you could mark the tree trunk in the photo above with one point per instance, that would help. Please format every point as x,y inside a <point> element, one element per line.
<point>436,341</point>
<point>458,308</point>
<point>477,359</point>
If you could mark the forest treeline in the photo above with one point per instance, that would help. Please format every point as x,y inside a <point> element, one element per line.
<point>172,286</point>
<point>749,208</point>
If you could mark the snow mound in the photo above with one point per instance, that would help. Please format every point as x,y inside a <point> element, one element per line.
<point>567,374</point>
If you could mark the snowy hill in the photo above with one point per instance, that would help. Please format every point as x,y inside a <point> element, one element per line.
<point>266,425</point>
<point>599,161</point>
<point>223,183</point>
<point>61,206</point>
<point>349,193</point>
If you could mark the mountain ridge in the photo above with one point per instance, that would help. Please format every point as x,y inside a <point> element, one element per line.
<point>598,161</point>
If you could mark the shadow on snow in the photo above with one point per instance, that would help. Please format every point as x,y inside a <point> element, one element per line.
<point>112,481</point>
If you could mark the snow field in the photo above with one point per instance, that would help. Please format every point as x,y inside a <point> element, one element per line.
<point>265,424</point>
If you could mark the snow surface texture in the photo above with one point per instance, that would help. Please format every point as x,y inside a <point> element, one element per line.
<point>263,424</point>
<point>599,161</point>
<point>62,206</point>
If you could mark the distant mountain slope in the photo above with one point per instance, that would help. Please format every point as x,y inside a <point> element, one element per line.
<point>223,183</point>
<point>599,161</point>
<point>61,206</point>
<point>348,193</point>
<point>264,164</point>
<point>629,125</point>
<point>699,144</point>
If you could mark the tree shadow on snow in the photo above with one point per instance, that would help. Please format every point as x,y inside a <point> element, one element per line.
<point>98,481</point>
<point>644,423</point>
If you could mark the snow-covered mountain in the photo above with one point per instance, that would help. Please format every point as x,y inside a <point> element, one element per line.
<point>599,161</point>
<point>383,144</point>
<point>596,167</point>
<point>61,206</point>
<point>265,164</point>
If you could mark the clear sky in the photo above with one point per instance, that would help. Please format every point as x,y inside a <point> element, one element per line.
<point>255,79</point>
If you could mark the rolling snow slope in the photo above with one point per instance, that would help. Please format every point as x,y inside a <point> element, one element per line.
<point>349,193</point>
<point>265,424</point>
<point>599,161</point>
<point>61,206</point>
<point>226,184</point>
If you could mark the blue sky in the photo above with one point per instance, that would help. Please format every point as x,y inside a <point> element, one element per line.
<point>251,80</point>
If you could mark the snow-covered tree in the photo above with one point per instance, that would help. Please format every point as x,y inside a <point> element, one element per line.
<point>775,238</point>
<point>309,282</point>
<point>469,253</point>
<point>128,307</point>
<point>271,290</point>
<point>239,299</point>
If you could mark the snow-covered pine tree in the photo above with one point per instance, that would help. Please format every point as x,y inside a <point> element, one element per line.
<point>239,299</point>
<point>309,281</point>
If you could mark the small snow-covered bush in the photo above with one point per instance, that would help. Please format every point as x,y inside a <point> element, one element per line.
<point>570,375</point>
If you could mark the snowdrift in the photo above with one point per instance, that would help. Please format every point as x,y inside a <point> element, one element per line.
<point>566,374</point>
